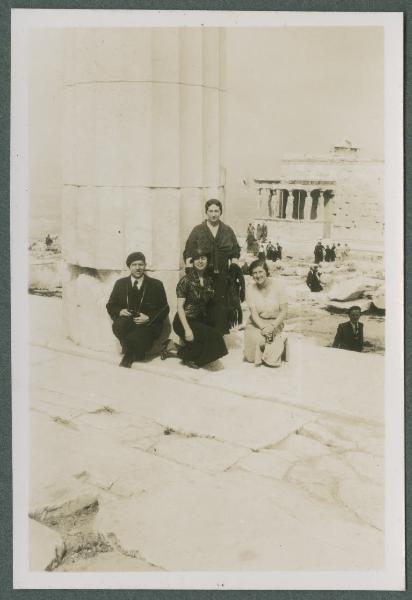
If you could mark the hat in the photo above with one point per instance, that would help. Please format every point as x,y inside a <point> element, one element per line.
<point>135,256</point>
<point>198,252</point>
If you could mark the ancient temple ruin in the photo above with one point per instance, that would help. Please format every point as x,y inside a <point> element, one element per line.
<point>338,196</point>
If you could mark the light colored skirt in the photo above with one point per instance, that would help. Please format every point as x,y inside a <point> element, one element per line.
<point>258,350</point>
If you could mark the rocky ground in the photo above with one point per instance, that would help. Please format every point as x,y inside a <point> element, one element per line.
<point>232,468</point>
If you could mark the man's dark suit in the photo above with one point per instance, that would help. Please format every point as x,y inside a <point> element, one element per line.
<point>151,300</point>
<point>345,337</point>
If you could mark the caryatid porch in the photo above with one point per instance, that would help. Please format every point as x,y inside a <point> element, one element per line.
<point>296,209</point>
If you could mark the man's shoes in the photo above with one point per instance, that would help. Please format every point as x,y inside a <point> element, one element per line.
<point>126,362</point>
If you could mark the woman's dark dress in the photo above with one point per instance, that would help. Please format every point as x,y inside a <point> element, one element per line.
<point>208,344</point>
<point>221,249</point>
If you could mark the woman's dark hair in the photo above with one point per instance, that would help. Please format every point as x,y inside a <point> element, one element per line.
<point>216,202</point>
<point>258,263</point>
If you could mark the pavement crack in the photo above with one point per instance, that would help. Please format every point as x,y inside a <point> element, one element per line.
<point>114,541</point>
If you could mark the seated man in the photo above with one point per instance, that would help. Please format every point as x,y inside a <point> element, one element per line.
<point>137,306</point>
<point>313,279</point>
<point>349,335</point>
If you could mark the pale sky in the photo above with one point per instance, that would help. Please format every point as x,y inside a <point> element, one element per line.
<point>292,90</point>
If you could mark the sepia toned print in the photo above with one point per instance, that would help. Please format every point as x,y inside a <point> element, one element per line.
<point>207,302</point>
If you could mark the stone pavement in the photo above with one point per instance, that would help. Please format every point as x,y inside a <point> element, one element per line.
<point>242,468</point>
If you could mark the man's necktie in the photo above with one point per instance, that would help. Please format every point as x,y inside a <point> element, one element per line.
<point>135,295</point>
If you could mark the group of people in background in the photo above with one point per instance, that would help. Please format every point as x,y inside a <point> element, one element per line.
<point>209,297</point>
<point>330,252</point>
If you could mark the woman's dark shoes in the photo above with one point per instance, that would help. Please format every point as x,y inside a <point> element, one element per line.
<point>191,364</point>
<point>126,361</point>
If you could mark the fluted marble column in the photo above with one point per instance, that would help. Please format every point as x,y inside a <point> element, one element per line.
<point>141,153</point>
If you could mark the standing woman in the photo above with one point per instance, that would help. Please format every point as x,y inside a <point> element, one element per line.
<point>203,343</point>
<point>264,341</point>
<point>219,242</point>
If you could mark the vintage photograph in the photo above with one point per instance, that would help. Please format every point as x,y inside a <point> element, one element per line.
<point>208,369</point>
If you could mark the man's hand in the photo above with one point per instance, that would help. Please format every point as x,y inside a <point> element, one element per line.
<point>141,319</point>
<point>124,313</point>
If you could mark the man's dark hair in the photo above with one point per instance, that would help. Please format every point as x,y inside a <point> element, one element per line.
<point>216,202</point>
<point>355,307</point>
<point>258,263</point>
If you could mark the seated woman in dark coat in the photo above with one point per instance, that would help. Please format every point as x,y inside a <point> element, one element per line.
<point>203,343</point>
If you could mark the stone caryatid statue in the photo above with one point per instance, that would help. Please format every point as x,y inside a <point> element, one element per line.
<point>289,205</point>
<point>321,207</point>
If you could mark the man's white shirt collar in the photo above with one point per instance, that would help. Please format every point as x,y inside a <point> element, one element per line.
<point>139,281</point>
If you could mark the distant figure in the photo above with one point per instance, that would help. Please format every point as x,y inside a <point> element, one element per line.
<point>250,229</point>
<point>271,252</point>
<point>338,252</point>
<point>333,253</point>
<point>250,240</point>
<point>264,232</point>
<point>258,231</point>
<point>346,250</point>
<point>262,252</point>
<point>349,335</point>
<point>279,247</point>
<point>327,254</point>
<point>318,253</point>
<point>49,240</point>
<point>313,279</point>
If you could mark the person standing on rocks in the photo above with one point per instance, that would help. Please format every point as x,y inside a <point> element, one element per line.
<point>138,307</point>
<point>219,242</point>
<point>349,335</point>
<point>318,253</point>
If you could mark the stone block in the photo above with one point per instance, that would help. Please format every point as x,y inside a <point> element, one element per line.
<point>367,465</point>
<point>365,500</point>
<point>45,545</point>
<point>200,453</point>
<point>114,222</point>
<point>240,522</point>
<point>269,463</point>
<point>107,54</point>
<point>100,116</point>
<point>302,446</point>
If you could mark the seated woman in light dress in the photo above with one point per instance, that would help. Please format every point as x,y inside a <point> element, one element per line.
<point>264,342</point>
